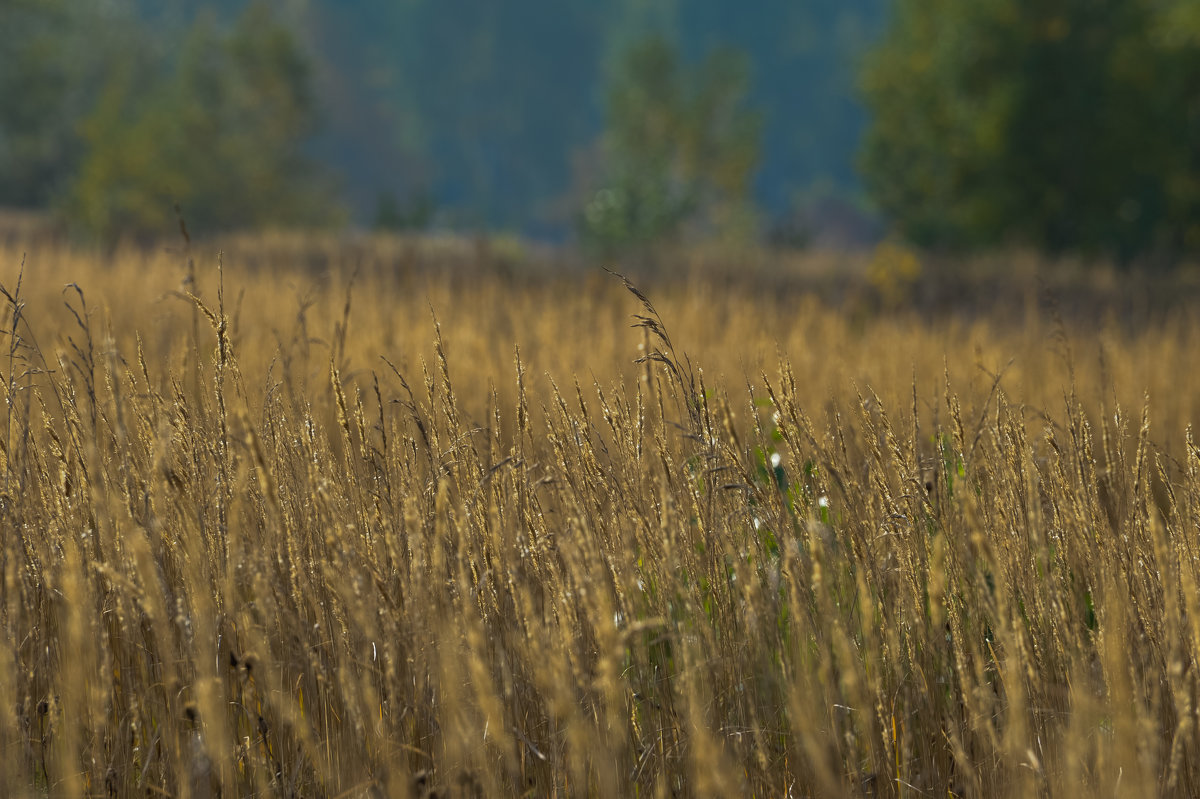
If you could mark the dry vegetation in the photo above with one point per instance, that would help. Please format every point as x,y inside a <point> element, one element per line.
<point>322,531</point>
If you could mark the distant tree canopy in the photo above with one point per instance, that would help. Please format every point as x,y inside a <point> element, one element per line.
<point>51,66</point>
<point>220,136</point>
<point>679,150</point>
<point>492,107</point>
<point>1067,125</point>
<point>460,113</point>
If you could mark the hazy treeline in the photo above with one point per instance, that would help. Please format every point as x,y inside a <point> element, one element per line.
<point>466,113</point>
<point>1067,126</point>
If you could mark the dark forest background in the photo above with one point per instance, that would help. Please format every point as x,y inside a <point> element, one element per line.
<point>1059,124</point>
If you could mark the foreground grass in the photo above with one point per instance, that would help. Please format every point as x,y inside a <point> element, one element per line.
<point>311,540</point>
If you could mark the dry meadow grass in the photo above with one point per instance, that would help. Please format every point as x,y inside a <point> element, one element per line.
<point>377,523</point>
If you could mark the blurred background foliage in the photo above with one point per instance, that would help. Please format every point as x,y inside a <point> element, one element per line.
<point>459,114</point>
<point>1066,125</point>
<point>679,151</point>
<point>220,134</point>
<point>1059,125</point>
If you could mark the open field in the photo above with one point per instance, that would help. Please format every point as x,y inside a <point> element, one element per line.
<point>389,521</point>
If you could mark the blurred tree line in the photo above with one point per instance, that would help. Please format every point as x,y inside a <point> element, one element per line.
<point>1065,125</point>
<point>118,131</point>
<point>466,113</point>
<point>504,115</point>
<point>679,151</point>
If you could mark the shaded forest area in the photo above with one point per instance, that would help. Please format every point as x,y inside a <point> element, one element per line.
<point>464,114</point>
<point>1069,127</point>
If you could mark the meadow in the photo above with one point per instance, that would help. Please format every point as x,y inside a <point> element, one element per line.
<point>393,519</point>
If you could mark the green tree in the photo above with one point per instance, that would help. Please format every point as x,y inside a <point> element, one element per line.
<point>1069,125</point>
<point>51,61</point>
<point>679,151</point>
<point>221,136</point>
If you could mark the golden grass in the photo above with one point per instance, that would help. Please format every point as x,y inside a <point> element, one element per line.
<point>315,528</point>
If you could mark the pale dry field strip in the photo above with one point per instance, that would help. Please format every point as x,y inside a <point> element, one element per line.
<point>325,527</point>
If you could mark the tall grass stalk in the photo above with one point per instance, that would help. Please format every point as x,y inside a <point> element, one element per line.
<point>521,549</point>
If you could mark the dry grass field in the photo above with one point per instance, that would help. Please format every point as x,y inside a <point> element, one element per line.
<point>392,521</point>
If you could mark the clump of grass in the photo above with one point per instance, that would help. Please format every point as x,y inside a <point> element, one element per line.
<point>472,556</point>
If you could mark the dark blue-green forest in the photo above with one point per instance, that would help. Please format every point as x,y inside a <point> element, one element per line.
<point>1064,126</point>
<point>464,113</point>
